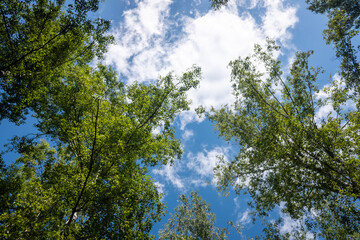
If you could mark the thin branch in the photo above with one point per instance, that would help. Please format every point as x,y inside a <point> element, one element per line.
<point>288,92</point>
<point>262,98</point>
<point>43,24</point>
<point>92,159</point>
<point>152,115</point>
<point>312,105</point>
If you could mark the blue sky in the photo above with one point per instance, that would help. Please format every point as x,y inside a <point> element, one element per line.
<point>154,37</point>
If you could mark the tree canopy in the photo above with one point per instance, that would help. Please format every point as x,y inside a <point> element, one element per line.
<point>38,38</point>
<point>192,220</point>
<point>288,154</point>
<point>93,182</point>
<point>217,4</point>
<point>83,175</point>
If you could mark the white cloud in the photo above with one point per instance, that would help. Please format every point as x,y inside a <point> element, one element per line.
<point>204,162</point>
<point>187,117</point>
<point>169,173</point>
<point>324,112</point>
<point>151,42</point>
<point>211,41</point>
<point>160,188</point>
<point>187,135</point>
<point>278,19</point>
<point>244,218</point>
<point>139,37</point>
<point>195,170</point>
<point>289,225</point>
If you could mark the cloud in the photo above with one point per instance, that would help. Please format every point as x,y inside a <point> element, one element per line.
<point>211,42</point>
<point>195,170</point>
<point>245,217</point>
<point>138,49</point>
<point>289,225</point>
<point>187,134</point>
<point>152,42</point>
<point>292,226</point>
<point>204,162</point>
<point>170,174</point>
<point>160,187</point>
<point>278,19</point>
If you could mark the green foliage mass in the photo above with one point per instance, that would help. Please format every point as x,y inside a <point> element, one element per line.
<point>89,181</point>
<point>287,154</point>
<point>38,38</point>
<point>192,220</point>
<point>92,184</point>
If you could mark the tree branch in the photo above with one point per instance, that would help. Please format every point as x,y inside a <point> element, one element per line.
<point>36,49</point>
<point>92,159</point>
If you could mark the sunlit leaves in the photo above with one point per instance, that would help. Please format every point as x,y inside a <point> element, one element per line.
<point>288,155</point>
<point>37,40</point>
<point>105,135</point>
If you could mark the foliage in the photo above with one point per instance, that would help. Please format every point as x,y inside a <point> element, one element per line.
<point>217,4</point>
<point>287,153</point>
<point>92,183</point>
<point>192,220</point>
<point>343,27</point>
<point>38,38</point>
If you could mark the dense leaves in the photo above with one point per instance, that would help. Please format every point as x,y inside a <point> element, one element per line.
<point>93,183</point>
<point>38,38</point>
<point>192,220</point>
<point>288,153</point>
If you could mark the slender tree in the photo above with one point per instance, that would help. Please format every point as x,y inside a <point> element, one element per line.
<point>287,154</point>
<point>192,220</point>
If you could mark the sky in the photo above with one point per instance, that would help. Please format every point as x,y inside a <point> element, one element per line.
<point>155,37</point>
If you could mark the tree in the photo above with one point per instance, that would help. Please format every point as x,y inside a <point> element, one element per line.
<point>217,4</point>
<point>288,155</point>
<point>92,183</point>
<point>38,38</point>
<point>192,220</point>
<point>343,27</point>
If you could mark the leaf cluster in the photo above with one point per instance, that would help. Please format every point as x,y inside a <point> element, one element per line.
<point>38,38</point>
